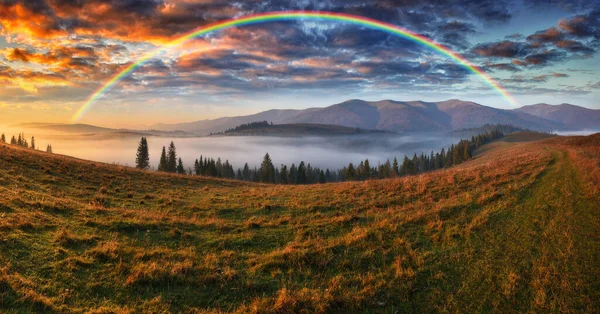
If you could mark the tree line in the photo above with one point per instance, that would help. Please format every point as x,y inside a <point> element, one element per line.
<point>304,173</point>
<point>21,140</point>
<point>245,126</point>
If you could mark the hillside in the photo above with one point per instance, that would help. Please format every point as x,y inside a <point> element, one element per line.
<point>520,220</point>
<point>411,116</point>
<point>299,129</point>
<point>573,117</point>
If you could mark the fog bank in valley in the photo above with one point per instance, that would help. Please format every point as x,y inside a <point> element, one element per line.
<point>325,152</point>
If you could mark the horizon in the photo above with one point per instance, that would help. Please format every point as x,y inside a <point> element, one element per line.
<point>140,127</point>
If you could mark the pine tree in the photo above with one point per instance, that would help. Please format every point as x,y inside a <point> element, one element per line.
<point>32,142</point>
<point>407,167</point>
<point>49,149</point>
<point>162,164</point>
<point>395,169</point>
<point>246,173</point>
<point>13,140</point>
<point>350,172</point>
<point>301,175</point>
<point>267,170</point>
<point>180,168</point>
<point>172,158</point>
<point>283,174</point>
<point>20,140</point>
<point>367,169</point>
<point>142,158</point>
<point>3,138</point>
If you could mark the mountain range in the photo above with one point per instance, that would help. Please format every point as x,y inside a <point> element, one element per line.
<point>411,116</point>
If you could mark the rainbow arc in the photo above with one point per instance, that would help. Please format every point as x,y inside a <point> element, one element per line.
<point>297,15</point>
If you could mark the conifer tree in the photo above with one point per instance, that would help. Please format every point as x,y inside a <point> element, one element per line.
<point>395,169</point>
<point>32,142</point>
<point>246,173</point>
<point>301,175</point>
<point>172,158</point>
<point>3,138</point>
<point>350,172</point>
<point>49,149</point>
<point>322,178</point>
<point>142,158</point>
<point>267,170</point>
<point>367,169</point>
<point>180,168</point>
<point>284,174</point>
<point>13,140</point>
<point>162,164</point>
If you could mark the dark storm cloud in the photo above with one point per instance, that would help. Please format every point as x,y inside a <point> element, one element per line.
<point>502,66</point>
<point>504,49</point>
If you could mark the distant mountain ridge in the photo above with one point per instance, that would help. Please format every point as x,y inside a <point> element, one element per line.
<point>571,116</point>
<point>409,116</point>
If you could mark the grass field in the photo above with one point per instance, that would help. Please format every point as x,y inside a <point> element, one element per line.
<point>517,229</point>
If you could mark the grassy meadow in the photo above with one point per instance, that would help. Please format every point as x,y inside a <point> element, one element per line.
<point>516,229</point>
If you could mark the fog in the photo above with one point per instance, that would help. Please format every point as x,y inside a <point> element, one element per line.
<point>325,152</point>
<point>576,133</point>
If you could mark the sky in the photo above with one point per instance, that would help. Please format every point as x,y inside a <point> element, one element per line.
<point>55,53</point>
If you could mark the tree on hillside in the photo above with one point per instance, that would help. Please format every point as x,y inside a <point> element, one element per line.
<point>367,170</point>
<point>283,174</point>
<point>13,140</point>
<point>301,174</point>
<point>20,140</point>
<point>32,142</point>
<point>172,158</point>
<point>246,173</point>
<point>407,167</point>
<point>3,138</point>
<point>162,164</point>
<point>322,178</point>
<point>180,168</point>
<point>267,170</point>
<point>350,172</point>
<point>395,169</point>
<point>49,149</point>
<point>142,158</point>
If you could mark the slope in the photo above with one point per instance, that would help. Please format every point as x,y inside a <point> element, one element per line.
<point>81,236</point>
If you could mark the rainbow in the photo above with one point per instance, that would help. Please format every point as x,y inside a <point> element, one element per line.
<point>296,15</point>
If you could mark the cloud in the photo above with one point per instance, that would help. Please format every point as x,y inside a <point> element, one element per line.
<point>504,49</point>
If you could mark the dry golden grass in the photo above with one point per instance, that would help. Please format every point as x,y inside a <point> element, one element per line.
<point>514,230</point>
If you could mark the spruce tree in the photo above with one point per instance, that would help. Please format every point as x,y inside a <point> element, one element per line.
<point>350,172</point>
<point>246,173</point>
<point>284,174</point>
<point>322,178</point>
<point>49,149</point>
<point>32,142</point>
<point>142,158</point>
<point>395,169</point>
<point>13,140</point>
<point>3,138</point>
<point>301,174</point>
<point>180,168</point>
<point>367,169</point>
<point>172,158</point>
<point>267,170</point>
<point>162,164</point>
